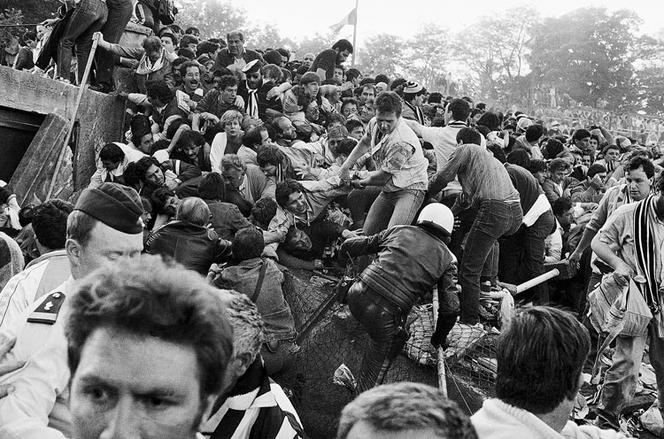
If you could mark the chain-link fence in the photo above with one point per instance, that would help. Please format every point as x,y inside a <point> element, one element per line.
<point>330,336</point>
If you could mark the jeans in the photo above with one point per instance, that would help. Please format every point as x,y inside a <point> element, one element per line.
<point>384,322</point>
<point>119,13</point>
<point>359,202</point>
<point>494,219</point>
<point>88,18</point>
<point>621,378</point>
<point>392,209</point>
<point>522,255</point>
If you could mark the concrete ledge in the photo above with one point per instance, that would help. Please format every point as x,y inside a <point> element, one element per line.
<point>101,119</point>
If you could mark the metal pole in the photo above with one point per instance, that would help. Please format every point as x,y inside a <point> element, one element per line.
<point>442,373</point>
<point>355,35</point>
<point>82,87</point>
<point>20,25</point>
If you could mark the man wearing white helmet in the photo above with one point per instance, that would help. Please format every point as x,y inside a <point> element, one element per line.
<point>411,261</point>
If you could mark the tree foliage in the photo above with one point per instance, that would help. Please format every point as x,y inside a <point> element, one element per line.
<point>589,54</point>
<point>214,18</point>
<point>382,53</point>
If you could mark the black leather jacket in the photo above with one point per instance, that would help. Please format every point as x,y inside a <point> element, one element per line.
<point>193,246</point>
<point>410,262</point>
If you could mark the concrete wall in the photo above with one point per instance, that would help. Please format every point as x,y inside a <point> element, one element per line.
<point>100,116</point>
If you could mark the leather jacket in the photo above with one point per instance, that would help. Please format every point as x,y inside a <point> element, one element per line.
<point>193,246</point>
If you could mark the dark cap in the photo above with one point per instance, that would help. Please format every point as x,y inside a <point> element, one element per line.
<point>115,205</point>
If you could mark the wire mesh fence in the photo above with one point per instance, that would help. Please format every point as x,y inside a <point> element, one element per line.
<point>330,336</point>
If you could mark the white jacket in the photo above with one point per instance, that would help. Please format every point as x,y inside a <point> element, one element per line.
<point>497,420</point>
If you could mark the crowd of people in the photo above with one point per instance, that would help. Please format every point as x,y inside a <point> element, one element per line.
<point>239,165</point>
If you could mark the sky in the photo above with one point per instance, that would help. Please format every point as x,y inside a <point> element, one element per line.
<point>404,18</point>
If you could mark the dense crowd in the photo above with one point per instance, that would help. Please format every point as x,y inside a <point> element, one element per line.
<point>238,165</point>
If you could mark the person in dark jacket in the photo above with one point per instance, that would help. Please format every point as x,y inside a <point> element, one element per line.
<point>261,280</point>
<point>411,261</point>
<point>226,217</point>
<point>187,239</point>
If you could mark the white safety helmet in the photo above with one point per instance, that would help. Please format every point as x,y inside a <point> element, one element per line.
<point>437,215</point>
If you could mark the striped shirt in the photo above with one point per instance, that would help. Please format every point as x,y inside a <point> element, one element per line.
<point>257,408</point>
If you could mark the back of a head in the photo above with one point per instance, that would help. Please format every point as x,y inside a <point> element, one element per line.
<point>519,157</point>
<point>49,223</point>
<point>212,187</point>
<point>407,408</point>
<point>145,297</point>
<point>469,135</point>
<point>489,120</point>
<point>460,109</point>
<point>193,210</point>
<point>534,133</point>
<point>594,169</point>
<point>247,324</point>
<point>248,243</point>
<point>561,205</point>
<point>558,165</point>
<point>263,211</point>
<point>111,153</point>
<point>553,148</point>
<point>540,357</point>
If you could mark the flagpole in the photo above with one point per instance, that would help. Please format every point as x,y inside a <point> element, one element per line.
<point>355,35</point>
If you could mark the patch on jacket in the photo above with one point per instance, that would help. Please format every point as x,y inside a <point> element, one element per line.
<point>47,311</point>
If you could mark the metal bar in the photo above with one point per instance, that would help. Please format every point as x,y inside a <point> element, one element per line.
<point>440,364</point>
<point>537,280</point>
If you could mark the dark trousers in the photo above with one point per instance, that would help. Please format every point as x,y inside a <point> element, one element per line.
<point>494,219</point>
<point>522,255</point>
<point>119,13</point>
<point>88,18</point>
<point>384,322</point>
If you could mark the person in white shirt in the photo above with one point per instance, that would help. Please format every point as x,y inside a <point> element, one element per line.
<point>540,359</point>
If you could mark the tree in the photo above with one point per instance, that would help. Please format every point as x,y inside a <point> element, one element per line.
<point>494,50</point>
<point>268,36</point>
<point>214,18</point>
<point>649,74</point>
<point>588,54</point>
<point>427,52</point>
<point>314,44</point>
<point>382,53</point>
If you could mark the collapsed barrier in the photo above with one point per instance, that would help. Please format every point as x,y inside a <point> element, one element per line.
<point>329,336</point>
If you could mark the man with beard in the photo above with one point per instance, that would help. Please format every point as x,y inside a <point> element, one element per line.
<point>255,90</point>
<point>327,60</point>
<point>191,82</point>
<point>235,56</point>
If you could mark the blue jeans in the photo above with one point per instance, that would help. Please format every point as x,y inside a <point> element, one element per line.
<point>88,18</point>
<point>494,219</point>
<point>621,378</point>
<point>393,209</point>
<point>119,13</point>
<point>522,255</point>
